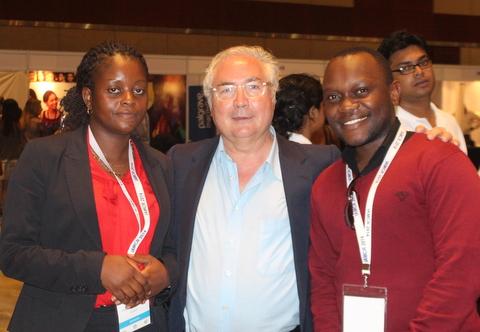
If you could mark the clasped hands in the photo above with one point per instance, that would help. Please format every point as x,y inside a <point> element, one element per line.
<point>133,279</point>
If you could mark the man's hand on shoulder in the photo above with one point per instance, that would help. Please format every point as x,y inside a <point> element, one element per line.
<point>437,133</point>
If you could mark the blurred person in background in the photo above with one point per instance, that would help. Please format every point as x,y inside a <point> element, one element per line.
<point>298,115</point>
<point>51,116</point>
<point>32,95</point>
<point>411,65</point>
<point>12,140</point>
<point>30,122</point>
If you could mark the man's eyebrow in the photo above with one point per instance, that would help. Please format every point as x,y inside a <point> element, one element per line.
<point>225,83</point>
<point>248,80</point>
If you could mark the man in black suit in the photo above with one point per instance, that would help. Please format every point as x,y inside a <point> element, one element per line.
<point>242,208</point>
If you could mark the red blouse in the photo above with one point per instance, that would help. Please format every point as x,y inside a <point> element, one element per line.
<point>116,220</point>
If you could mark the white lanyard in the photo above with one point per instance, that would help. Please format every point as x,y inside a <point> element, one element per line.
<point>138,189</point>
<point>364,231</point>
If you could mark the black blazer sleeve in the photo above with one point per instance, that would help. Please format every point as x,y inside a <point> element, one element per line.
<point>37,213</point>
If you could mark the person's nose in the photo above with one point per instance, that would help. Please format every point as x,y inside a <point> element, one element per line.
<point>128,97</point>
<point>349,105</point>
<point>418,71</point>
<point>240,99</point>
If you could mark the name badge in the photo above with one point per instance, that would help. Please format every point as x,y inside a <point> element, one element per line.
<point>364,308</point>
<point>134,318</point>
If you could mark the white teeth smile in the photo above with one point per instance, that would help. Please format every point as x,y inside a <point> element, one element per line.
<point>351,122</point>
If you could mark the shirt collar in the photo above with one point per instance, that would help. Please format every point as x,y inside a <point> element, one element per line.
<point>273,158</point>
<point>348,154</point>
<point>434,108</point>
<point>272,162</point>
<point>404,113</point>
<point>299,138</point>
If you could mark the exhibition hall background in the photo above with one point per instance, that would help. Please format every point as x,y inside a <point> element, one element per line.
<point>41,41</point>
<point>178,37</point>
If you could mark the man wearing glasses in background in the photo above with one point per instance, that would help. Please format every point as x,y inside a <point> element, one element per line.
<point>412,68</point>
<point>395,231</point>
<point>242,208</point>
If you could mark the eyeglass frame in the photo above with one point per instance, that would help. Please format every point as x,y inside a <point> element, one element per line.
<point>348,211</point>
<point>242,85</point>
<point>427,65</point>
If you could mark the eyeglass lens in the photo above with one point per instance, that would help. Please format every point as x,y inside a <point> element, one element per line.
<point>410,68</point>
<point>251,90</point>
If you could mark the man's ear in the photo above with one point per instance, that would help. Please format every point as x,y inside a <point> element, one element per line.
<point>395,91</point>
<point>87,97</point>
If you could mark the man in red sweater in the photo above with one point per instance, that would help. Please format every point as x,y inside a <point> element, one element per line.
<point>395,233</point>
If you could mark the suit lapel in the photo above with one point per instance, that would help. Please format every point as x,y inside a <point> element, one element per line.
<point>295,179</point>
<point>79,183</point>
<point>192,184</point>
<point>156,176</point>
<point>297,176</point>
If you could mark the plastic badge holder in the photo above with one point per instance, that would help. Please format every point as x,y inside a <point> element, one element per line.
<point>364,308</point>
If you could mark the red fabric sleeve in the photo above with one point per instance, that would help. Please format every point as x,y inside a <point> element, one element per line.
<point>452,199</point>
<point>321,262</point>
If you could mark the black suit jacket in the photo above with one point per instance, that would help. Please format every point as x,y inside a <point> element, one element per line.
<point>300,166</point>
<point>50,237</point>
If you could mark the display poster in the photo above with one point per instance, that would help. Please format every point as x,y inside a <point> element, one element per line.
<point>167,110</point>
<point>200,120</point>
<point>42,81</point>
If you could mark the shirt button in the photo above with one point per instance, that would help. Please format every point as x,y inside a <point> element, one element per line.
<point>228,273</point>
<point>224,307</point>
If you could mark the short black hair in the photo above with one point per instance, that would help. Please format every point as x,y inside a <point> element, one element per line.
<point>296,94</point>
<point>73,102</point>
<point>398,40</point>
<point>379,58</point>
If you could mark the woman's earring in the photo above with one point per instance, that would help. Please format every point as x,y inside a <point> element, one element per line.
<point>89,111</point>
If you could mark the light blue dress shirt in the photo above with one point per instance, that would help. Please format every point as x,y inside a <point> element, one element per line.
<point>241,274</point>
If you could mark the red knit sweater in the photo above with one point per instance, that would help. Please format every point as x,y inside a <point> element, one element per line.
<point>425,240</point>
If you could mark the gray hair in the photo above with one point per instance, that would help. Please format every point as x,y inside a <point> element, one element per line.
<point>267,59</point>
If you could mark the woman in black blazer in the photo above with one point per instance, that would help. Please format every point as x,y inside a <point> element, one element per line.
<point>87,216</point>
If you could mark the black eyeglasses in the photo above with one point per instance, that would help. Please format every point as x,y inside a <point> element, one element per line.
<point>410,67</point>
<point>348,213</point>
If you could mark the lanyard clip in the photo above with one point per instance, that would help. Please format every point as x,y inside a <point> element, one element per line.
<point>365,280</point>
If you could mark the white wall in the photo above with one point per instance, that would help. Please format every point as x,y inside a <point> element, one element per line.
<point>14,85</point>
